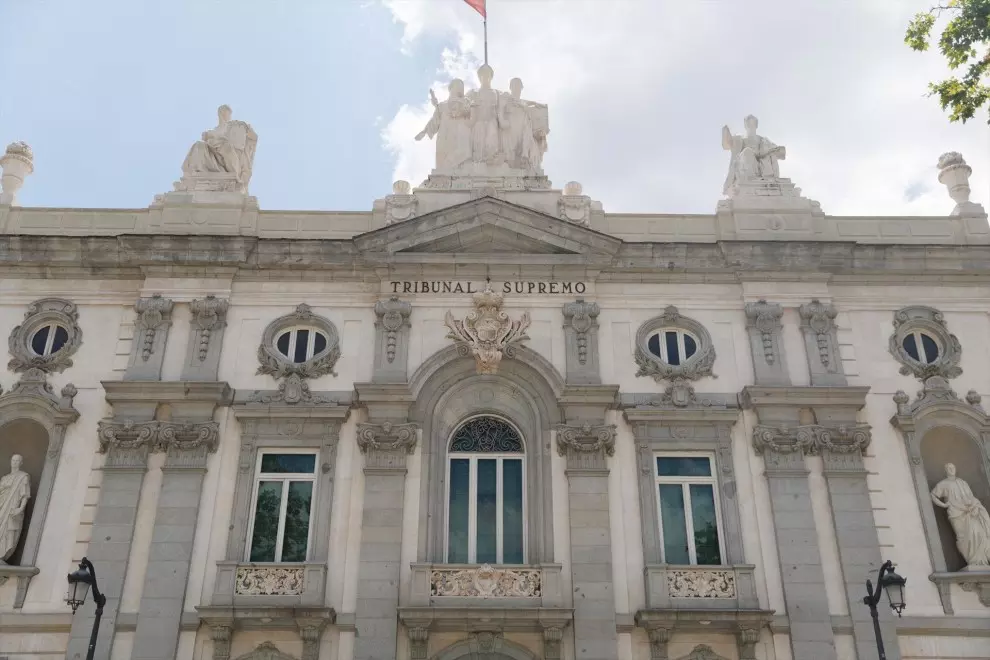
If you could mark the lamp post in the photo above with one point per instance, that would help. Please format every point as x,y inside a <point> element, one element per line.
<point>80,582</point>
<point>893,584</point>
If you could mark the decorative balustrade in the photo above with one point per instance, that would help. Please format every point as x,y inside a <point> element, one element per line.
<point>486,585</point>
<point>269,581</point>
<point>701,587</point>
<point>270,584</point>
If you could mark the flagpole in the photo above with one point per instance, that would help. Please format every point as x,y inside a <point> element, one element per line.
<point>486,36</point>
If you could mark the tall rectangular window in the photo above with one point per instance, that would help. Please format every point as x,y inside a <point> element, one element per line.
<point>485,510</point>
<point>688,507</point>
<point>281,519</point>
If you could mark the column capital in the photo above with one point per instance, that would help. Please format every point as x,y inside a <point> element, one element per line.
<point>126,443</point>
<point>552,636</point>
<point>187,444</point>
<point>586,445</point>
<point>385,445</point>
<point>419,639</point>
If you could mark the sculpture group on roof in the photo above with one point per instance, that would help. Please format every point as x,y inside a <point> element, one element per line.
<point>485,139</point>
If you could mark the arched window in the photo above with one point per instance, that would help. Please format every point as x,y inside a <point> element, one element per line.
<point>486,494</point>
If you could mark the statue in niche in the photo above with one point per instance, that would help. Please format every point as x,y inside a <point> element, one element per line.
<point>228,148</point>
<point>486,144</point>
<point>753,156</point>
<point>969,518</point>
<point>15,491</point>
<point>451,125</point>
<point>524,129</point>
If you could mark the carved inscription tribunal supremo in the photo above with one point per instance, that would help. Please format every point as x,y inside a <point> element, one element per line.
<point>452,286</point>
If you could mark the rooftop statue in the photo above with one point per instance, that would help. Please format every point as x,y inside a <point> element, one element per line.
<point>753,156</point>
<point>227,151</point>
<point>487,133</point>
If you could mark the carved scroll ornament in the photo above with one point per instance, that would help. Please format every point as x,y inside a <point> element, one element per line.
<point>487,332</point>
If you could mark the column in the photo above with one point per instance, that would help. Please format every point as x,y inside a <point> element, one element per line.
<point>385,447</point>
<point>126,445</point>
<point>586,447</point>
<point>187,447</point>
<point>856,534</point>
<point>783,450</point>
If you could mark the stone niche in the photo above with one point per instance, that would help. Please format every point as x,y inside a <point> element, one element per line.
<point>948,444</point>
<point>29,439</point>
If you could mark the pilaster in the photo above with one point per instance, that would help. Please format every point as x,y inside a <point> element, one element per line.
<point>187,446</point>
<point>764,328</point>
<point>151,327</point>
<point>385,446</point>
<point>391,340</point>
<point>126,445</point>
<point>581,342</point>
<point>586,447</point>
<point>209,320</point>
<point>822,343</point>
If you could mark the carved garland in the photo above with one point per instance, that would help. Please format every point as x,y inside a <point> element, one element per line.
<point>486,582</point>
<point>701,584</point>
<point>819,317</point>
<point>278,366</point>
<point>765,317</point>
<point>392,314</point>
<point>40,313</point>
<point>208,316</point>
<point>582,316</point>
<point>153,313</point>
<point>932,322</point>
<point>695,367</point>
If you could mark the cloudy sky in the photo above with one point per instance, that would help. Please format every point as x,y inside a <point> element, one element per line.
<point>111,93</point>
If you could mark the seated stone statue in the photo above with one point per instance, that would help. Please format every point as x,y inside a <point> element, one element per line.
<point>15,491</point>
<point>967,515</point>
<point>753,156</point>
<point>228,148</point>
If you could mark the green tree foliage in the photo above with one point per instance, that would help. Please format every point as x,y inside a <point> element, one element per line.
<point>965,43</point>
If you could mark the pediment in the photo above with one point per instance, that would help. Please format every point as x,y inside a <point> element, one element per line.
<point>487,226</point>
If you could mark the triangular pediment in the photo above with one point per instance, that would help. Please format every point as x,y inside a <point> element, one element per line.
<point>487,226</point>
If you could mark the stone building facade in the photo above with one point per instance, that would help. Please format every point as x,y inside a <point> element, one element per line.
<point>488,419</point>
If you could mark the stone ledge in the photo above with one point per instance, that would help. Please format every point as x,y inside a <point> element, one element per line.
<point>260,617</point>
<point>491,618</point>
<point>977,581</point>
<point>704,620</point>
<point>188,400</point>
<point>715,587</point>
<point>949,626</point>
<point>804,397</point>
<point>548,576</point>
<point>303,585</point>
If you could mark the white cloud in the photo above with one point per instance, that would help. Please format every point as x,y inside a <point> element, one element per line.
<point>638,91</point>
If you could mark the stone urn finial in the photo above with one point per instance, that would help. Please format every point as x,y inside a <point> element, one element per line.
<point>954,173</point>
<point>16,163</point>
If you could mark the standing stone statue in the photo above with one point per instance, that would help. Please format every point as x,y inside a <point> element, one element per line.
<point>15,491</point>
<point>523,129</point>
<point>486,143</point>
<point>228,149</point>
<point>753,156</point>
<point>969,518</point>
<point>451,124</point>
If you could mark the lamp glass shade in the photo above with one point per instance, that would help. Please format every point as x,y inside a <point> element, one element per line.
<point>76,596</point>
<point>893,584</point>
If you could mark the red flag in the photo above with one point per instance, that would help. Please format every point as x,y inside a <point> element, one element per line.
<point>478,6</point>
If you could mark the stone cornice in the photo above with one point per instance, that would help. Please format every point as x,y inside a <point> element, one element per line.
<point>128,255</point>
<point>755,396</point>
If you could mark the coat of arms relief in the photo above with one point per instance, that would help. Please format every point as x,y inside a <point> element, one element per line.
<point>487,332</point>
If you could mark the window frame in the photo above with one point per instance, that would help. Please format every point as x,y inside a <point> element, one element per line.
<point>53,327</point>
<point>685,483</point>
<point>917,334</point>
<point>286,478</point>
<point>311,353</point>
<point>473,494</point>
<point>695,367</point>
<point>918,320</point>
<point>272,361</point>
<point>681,348</point>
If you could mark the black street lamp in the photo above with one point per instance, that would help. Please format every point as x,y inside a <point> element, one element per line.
<point>80,582</point>
<point>893,584</point>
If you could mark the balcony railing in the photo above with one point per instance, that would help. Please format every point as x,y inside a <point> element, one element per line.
<point>701,587</point>
<point>265,584</point>
<point>486,585</point>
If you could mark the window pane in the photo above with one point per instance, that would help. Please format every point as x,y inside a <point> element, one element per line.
<point>690,346</point>
<point>673,353</point>
<point>512,512</point>
<point>684,466</point>
<point>675,543</point>
<point>302,345</point>
<point>457,513</point>
<point>292,463</point>
<point>40,339</point>
<point>911,347</point>
<point>487,512</point>
<point>705,524</point>
<point>297,509</point>
<point>283,343</point>
<point>319,343</point>
<point>931,348</point>
<point>266,521</point>
<point>653,343</point>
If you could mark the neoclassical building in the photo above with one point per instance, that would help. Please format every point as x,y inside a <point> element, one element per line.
<point>487,419</point>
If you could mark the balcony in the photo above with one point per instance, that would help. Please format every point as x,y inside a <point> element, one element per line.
<point>700,587</point>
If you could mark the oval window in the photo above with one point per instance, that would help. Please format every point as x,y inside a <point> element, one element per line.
<point>49,339</point>
<point>921,346</point>
<point>673,346</point>
<point>301,344</point>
